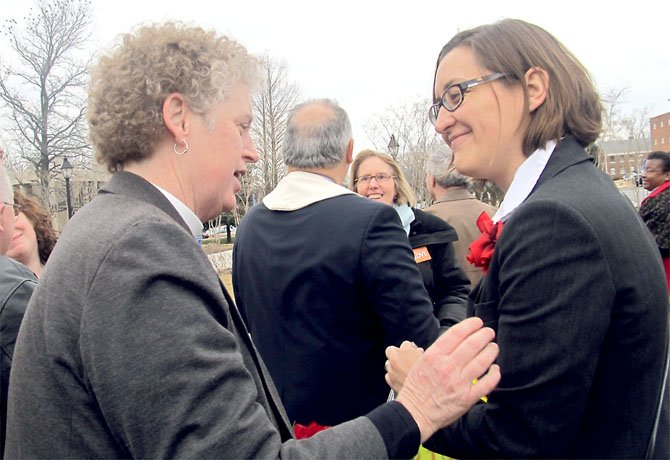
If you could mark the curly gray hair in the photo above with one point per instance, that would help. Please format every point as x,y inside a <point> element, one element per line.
<point>128,86</point>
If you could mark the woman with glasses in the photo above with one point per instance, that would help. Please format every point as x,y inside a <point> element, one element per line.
<point>378,176</point>
<point>580,312</point>
<point>34,235</point>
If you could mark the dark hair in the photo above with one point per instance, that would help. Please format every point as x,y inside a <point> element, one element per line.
<point>663,156</point>
<point>512,47</point>
<point>39,218</point>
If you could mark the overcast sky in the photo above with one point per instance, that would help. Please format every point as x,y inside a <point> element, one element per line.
<point>369,54</point>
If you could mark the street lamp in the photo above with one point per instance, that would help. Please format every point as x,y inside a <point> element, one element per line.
<point>393,146</point>
<point>67,168</point>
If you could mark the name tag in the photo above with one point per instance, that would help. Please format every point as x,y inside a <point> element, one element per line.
<point>421,254</point>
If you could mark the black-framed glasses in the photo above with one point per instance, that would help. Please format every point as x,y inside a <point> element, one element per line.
<point>380,178</point>
<point>453,96</point>
<point>16,207</point>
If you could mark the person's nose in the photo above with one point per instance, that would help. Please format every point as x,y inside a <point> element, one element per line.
<point>249,152</point>
<point>445,119</point>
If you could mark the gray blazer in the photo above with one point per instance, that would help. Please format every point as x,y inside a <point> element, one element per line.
<point>132,348</point>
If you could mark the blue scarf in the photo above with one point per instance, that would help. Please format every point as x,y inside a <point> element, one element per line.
<point>406,216</point>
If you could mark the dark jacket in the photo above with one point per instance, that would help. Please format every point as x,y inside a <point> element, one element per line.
<point>446,283</point>
<point>17,284</point>
<point>576,293</point>
<point>325,289</point>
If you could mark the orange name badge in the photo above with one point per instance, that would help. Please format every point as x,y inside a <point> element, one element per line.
<point>421,254</point>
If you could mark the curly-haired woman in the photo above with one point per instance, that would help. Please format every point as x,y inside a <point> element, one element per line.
<point>34,234</point>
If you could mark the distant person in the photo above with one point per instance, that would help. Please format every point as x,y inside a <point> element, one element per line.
<point>34,235</point>
<point>456,205</point>
<point>377,176</point>
<point>17,284</point>
<point>131,347</point>
<point>655,208</point>
<point>325,278</point>
<point>574,285</point>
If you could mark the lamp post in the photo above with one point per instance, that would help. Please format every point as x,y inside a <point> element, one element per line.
<point>393,146</point>
<point>67,168</point>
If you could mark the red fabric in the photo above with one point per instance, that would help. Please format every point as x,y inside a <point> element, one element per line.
<point>657,191</point>
<point>481,249</point>
<point>666,267</point>
<point>305,431</point>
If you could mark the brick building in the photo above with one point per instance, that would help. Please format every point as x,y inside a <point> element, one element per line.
<point>660,132</point>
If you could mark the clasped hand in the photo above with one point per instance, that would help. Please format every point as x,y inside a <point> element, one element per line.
<point>436,386</point>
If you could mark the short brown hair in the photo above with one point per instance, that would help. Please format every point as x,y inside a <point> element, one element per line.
<point>41,221</point>
<point>512,47</point>
<point>404,193</point>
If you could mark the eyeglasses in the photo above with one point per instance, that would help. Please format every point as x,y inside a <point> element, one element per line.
<point>17,208</point>
<point>453,96</point>
<point>380,178</point>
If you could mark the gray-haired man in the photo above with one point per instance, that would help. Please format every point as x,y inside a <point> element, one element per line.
<point>456,205</point>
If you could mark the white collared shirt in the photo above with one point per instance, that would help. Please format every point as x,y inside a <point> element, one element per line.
<point>299,189</point>
<point>525,178</point>
<point>186,213</point>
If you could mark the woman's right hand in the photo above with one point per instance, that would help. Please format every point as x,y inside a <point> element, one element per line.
<point>400,361</point>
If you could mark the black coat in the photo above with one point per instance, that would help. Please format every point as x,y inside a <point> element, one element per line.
<point>325,289</point>
<point>446,283</point>
<point>577,296</point>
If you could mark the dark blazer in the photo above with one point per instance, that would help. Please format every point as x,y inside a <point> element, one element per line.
<point>446,283</point>
<point>132,348</point>
<point>576,293</point>
<point>325,289</point>
<point>17,284</point>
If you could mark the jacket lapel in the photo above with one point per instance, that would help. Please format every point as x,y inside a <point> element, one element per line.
<point>134,186</point>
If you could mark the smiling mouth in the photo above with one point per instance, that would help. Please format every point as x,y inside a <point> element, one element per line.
<point>375,196</point>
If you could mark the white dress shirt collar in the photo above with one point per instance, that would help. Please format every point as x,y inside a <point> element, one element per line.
<point>525,178</point>
<point>186,213</point>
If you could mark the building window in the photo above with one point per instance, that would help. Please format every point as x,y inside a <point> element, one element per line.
<point>661,123</point>
<point>663,140</point>
<point>654,125</point>
<point>655,141</point>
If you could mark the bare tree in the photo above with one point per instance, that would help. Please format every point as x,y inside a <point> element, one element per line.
<point>271,107</point>
<point>415,136</point>
<point>44,92</point>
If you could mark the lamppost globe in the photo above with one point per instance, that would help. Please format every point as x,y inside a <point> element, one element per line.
<point>393,146</point>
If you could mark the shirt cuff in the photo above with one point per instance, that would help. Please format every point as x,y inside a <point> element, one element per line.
<point>397,428</point>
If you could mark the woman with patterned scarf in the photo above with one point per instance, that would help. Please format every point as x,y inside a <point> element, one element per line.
<point>655,209</point>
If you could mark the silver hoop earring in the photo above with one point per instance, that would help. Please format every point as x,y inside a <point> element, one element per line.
<point>174,147</point>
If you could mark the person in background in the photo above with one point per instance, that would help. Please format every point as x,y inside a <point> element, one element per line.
<point>325,279</point>
<point>574,284</point>
<point>377,176</point>
<point>455,205</point>
<point>655,208</point>
<point>131,346</point>
<point>34,235</point>
<point>17,284</point>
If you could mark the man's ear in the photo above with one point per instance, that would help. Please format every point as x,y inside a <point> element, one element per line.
<point>349,156</point>
<point>175,116</point>
<point>537,82</point>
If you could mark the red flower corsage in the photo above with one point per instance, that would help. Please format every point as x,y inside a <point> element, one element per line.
<point>305,431</point>
<point>481,249</point>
